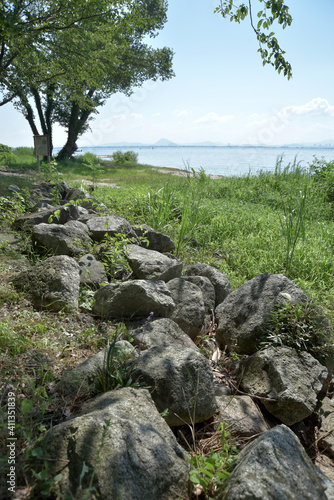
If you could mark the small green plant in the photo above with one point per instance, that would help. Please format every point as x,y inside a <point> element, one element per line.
<point>115,371</point>
<point>293,224</point>
<point>212,470</point>
<point>301,326</point>
<point>112,254</point>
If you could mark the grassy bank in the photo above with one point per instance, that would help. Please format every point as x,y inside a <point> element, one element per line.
<point>278,222</point>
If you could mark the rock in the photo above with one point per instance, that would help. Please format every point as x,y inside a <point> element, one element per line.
<point>219,280</point>
<point>156,241</point>
<point>243,417</point>
<point>68,239</point>
<point>180,380</point>
<point>189,312</point>
<point>159,332</point>
<point>245,311</point>
<point>51,284</point>
<point>132,299</point>
<point>122,439</point>
<point>293,379</point>
<point>207,288</point>
<point>92,271</point>
<point>275,467</point>
<point>14,188</point>
<point>65,214</point>
<point>100,227</point>
<point>152,265</point>
<point>326,441</point>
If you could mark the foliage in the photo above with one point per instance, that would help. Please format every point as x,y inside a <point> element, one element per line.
<point>115,371</point>
<point>293,224</point>
<point>126,157</point>
<point>6,154</point>
<point>79,69</point>
<point>269,48</point>
<point>111,254</point>
<point>212,471</point>
<point>302,326</point>
<point>323,173</point>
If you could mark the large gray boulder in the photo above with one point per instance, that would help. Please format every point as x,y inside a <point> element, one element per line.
<point>189,312</point>
<point>242,416</point>
<point>152,265</point>
<point>220,282</point>
<point>128,448</point>
<point>293,380</point>
<point>159,332</point>
<point>68,239</point>
<point>132,299</point>
<point>51,284</point>
<point>109,225</point>
<point>243,314</point>
<point>180,380</point>
<point>275,467</point>
<point>156,241</point>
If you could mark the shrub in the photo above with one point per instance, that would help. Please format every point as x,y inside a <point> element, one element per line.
<point>122,158</point>
<point>6,154</point>
<point>323,173</point>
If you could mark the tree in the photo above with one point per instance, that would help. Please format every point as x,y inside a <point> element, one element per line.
<point>79,69</point>
<point>272,11</point>
<point>27,24</point>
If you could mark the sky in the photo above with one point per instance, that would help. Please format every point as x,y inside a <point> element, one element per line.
<point>221,92</point>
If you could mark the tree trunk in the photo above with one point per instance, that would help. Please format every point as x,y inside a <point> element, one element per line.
<point>72,134</point>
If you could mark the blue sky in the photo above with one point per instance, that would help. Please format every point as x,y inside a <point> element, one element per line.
<point>221,91</point>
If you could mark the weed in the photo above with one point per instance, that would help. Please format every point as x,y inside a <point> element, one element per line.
<point>212,470</point>
<point>302,326</point>
<point>115,371</point>
<point>125,158</point>
<point>293,224</point>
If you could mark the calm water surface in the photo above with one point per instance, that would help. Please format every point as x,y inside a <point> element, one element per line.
<point>218,160</point>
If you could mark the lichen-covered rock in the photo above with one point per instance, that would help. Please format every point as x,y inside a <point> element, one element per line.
<point>159,332</point>
<point>92,271</point>
<point>275,467</point>
<point>131,299</point>
<point>152,265</point>
<point>51,284</point>
<point>207,288</point>
<point>189,312</point>
<point>156,241</point>
<point>293,380</point>
<point>220,282</point>
<point>242,416</point>
<point>244,312</point>
<point>127,447</point>
<point>68,239</point>
<point>180,380</point>
<point>109,225</point>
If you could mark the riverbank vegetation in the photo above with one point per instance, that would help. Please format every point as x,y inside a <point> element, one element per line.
<point>278,222</point>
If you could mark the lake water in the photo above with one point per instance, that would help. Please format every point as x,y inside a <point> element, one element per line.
<point>227,160</point>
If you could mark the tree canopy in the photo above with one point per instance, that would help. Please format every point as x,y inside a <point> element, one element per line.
<point>261,20</point>
<point>67,73</point>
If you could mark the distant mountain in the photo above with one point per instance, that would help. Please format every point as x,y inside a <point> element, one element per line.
<point>164,142</point>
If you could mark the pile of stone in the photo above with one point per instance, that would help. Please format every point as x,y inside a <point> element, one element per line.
<point>121,436</point>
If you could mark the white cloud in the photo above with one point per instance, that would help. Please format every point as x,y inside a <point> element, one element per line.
<point>181,113</point>
<point>214,118</point>
<point>318,105</point>
<point>136,116</point>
